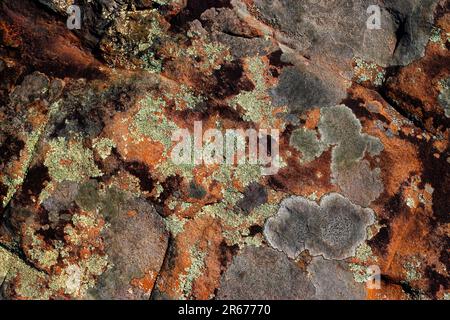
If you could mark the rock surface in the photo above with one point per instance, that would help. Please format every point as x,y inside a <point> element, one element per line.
<point>263,273</point>
<point>353,126</point>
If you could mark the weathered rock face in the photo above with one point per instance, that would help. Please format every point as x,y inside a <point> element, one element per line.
<point>262,273</point>
<point>337,29</point>
<point>334,281</point>
<point>352,120</point>
<point>136,245</point>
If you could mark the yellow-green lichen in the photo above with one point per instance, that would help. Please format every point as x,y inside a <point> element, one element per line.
<point>31,142</point>
<point>45,257</point>
<point>127,182</point>
<point>439,36</point>
<point>174,224</point>
<point>158,190</point>
<point>130,40</point>
<point>30,146</point>
<point>151,122</point>
<point>237,226</point>
<point>242,238</point>
<point>256,104</point>
<point>444,96</point>
<point>70,161</point>
<point>29,282</point>
<point>192,272</point>
<point>364,253</point>
<point>361,273</point>
<point>206,55</point>
<point>168,168</point>
<point>369,72</point>
<point>247,173</point>
<point>233,220</point>
<point>185,98</point>
<point>76,279</point>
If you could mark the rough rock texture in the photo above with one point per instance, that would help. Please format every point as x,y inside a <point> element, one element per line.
<point>354,121</point>
<point>136,244</point>
<point>260,274</point>
<point>334,281</point>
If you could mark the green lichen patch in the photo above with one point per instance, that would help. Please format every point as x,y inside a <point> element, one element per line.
<point>206,55</point>
<point>28,283</point>
<point>306,142</point>
<point>14,182</point>
<point>151,122</point>
<point>257,103</point>
<point>27,154</point>
<point>192,272</point>
<point>131,39</point>
<point>104,147</point>
<point>439,36</point>
<point>174,224</point>
<point>364,253</point>
<point>339,127</point>
<point>75,280</point>
<point>361,274</point>
<point>185,98</point>
<point>236,226</point>
<point>412,269</point>
<point>69,160</point>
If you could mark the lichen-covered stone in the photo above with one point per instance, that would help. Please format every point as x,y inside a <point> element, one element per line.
<point>302,90</point>
<point>307,143</point>
<point>332,229</point>
<point>339,127</point>
<point>94,207</point>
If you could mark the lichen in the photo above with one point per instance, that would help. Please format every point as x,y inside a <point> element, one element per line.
<point>69,160</point>
<point>361,273</point>
<point>192,272</point>
<point>439,36</point>
<point>27,155</point>
<point>185,98</point>
<point>340,128</point>
<point>205,55</point>
<point>364,253</point>
<point>444,96</point>
<point>174,224</point>
<point>28,282</point>
<point>104,147</point>
<point>151,122</point>
<point>126,38</point>
<point>369,72</point>
<point>412,269</point>
<point>306,142</point>
<point>256,104</point>
<point>333,229</point>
